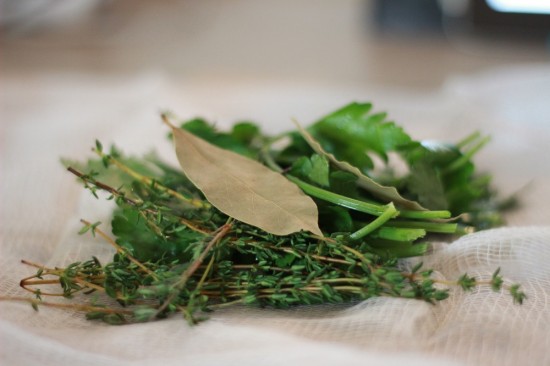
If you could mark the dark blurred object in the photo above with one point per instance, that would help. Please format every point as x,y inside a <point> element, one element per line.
<point>465,20</point>
<point>486,19</point>
<point>408,17</point>
<point>22,17</point>
<point>484,29</point>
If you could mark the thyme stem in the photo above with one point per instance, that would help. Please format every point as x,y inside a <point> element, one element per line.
<point>221,232</point>
<point>132,202</point>
<point>77,307</point>
<point>153,183</point>
<point>121,250</point>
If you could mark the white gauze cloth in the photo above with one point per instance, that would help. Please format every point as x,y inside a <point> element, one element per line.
<point>46,117</point>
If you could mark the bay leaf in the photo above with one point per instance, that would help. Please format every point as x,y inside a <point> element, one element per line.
<point>385,193</point>
<point>245,189</point>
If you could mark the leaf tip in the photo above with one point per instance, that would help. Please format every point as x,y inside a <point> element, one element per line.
<point>166,120</point>
<point>315,230</point>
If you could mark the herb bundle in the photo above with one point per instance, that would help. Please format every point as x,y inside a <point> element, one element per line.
<point>315,215</point>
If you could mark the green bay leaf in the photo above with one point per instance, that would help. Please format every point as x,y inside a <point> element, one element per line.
<point>245,189</point>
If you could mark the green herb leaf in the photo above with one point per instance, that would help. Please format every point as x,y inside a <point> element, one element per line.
<point>353,131</point>
<point>314,170</point>
<point>425,182</point>
<point>239,140</point>
<point>387,194</point>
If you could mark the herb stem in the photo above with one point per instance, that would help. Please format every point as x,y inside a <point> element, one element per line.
<point>227,304</point>
<point>36,265</point>
<point>351,203</point>
<point>390,212</point>
<point>151,182</point>
<point>433,227</point>
<point>221,232</point>
<point>89,284</point>
<point>268,159</point>
<point>76,307</point>
<point>359,255</point>
<point>206,271</point>
<point>300,253</point>
<point>24,285</point>
<point>134,203</point>
<point>425,215</point>
<point>121,250</point>
<point>466,157</point>
<point>468,139</point>
<point>31,282</point>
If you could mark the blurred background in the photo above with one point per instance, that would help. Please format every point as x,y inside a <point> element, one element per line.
<point>414,44</point>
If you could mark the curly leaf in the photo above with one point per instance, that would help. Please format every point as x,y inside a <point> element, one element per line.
<point>245,189</point>
<point>314,170</point>
<point>385,193</point>
<point>352,131</point>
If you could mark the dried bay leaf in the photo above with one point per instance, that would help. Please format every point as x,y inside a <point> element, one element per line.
<point>389,194</point>
<point>245,189</point>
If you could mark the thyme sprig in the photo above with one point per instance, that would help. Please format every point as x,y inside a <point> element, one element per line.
<point>310,271</point>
